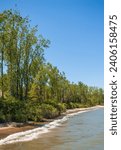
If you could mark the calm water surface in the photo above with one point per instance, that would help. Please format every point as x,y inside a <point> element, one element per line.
<point>80,132</point>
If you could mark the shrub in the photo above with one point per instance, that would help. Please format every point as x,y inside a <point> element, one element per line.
<point>14,110</point>
<point>2,117</point>
<point>34,112</point>
<point>52,102</point>
<point>48,111</point>
<point>61,107</point>
<point>72,105</point>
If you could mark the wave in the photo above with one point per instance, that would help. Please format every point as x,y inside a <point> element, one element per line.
<point>37,132</point>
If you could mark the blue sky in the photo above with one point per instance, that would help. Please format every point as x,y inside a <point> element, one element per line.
<point>75,29</point>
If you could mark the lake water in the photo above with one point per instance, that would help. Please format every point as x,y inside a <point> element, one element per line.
<point>82,131</point>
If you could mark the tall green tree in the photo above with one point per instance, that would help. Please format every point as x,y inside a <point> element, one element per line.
<point>22,48</point>
<point>2,49</point>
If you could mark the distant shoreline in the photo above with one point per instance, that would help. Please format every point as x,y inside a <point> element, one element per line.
<point>82,109</point>
<point>8,129</point>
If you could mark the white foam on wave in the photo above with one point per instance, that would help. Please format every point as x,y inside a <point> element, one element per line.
<point>35,133</point>
<point>31,134</point>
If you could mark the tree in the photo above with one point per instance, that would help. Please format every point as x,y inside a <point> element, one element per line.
<point>2,49</point>
<point>38,88</point>
<point>22,49</point>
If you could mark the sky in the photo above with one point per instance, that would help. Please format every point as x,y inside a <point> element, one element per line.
<point>76,31</point>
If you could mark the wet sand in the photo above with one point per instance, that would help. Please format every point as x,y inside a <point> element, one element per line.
<point>5,131</point>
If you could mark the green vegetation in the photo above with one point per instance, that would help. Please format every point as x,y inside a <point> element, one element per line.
<point>30,88</point>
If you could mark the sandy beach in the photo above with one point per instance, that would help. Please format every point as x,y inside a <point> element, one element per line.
<point>7,130</point>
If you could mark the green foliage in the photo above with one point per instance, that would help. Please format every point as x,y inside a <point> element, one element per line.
<point>61,107</point>
<point>22,52</point>
<point>34,111</point>
<point>52,102</point>
<point>48,111</point>
<point>14,110</point>
<point>2,117</point>
<point>72,105</point>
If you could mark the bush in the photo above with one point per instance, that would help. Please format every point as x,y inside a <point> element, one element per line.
<point>48,111</point>
<point>34,112</point>
<point>14,110</point>
<point>2,117</point>
<point>72,105</point>
<point>52,102</point>
<point>61,107</point>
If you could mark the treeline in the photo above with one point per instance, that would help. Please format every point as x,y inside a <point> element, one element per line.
<point>31,88</point>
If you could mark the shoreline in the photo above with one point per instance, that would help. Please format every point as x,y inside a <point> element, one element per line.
<point>69,111</point>
<point>8,129</point>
